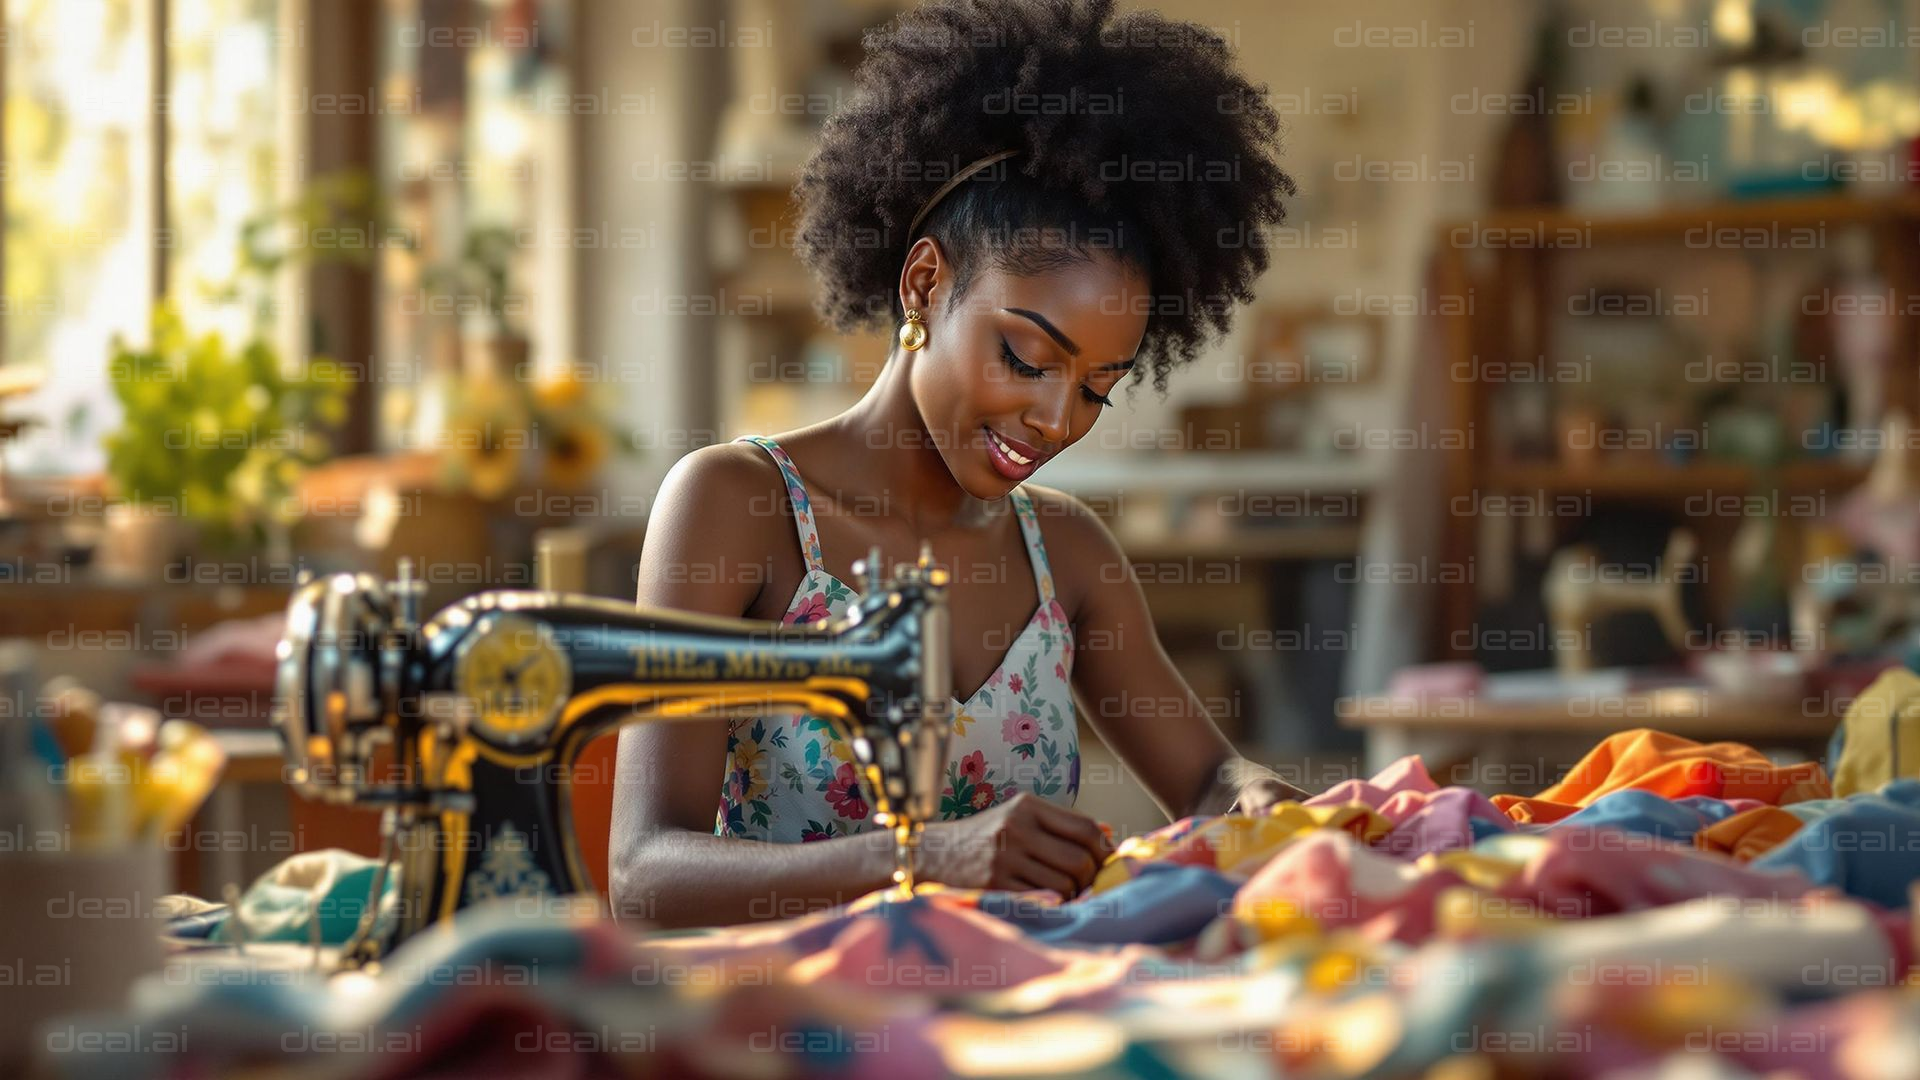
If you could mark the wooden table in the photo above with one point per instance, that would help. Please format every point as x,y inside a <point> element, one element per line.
<point>1446,730</point>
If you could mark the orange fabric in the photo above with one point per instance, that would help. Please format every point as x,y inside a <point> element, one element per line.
<point>1673,767</point>
<point>1750,833</point>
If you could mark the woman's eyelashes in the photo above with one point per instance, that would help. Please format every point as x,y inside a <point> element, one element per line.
<point>1020,367</point>
<point>1028,371</point>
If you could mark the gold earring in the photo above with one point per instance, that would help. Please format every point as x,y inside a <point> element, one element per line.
<point>913,333</point>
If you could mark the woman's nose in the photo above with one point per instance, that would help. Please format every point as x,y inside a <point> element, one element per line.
<point>1051,412</point>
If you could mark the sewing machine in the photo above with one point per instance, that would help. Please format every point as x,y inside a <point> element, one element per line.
<point>463,728</point>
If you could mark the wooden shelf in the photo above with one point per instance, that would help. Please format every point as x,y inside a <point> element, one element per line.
<point>1659,480</point>
<point>1807,212</point>
<point>1317,542</point>
<point>1509,268</point>
<point>1192,472</point>
<point>1681,711</point>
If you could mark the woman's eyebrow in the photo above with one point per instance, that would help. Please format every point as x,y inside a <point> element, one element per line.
<point>1040,320</point>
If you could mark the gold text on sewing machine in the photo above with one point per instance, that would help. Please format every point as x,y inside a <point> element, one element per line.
<point>672,663</point>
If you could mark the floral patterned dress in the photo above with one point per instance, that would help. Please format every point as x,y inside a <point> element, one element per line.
<point>791,778</point>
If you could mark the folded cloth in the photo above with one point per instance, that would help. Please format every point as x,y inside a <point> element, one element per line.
<point>328,888</point>
<point>1861,752</point>
<point>1869,846</point>
<point>1672,766</point>
<point>1751,833</point>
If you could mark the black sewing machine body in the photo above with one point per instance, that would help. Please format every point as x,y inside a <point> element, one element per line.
<point>465,728</point>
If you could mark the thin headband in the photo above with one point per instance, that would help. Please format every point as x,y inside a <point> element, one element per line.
<point>914,227</point>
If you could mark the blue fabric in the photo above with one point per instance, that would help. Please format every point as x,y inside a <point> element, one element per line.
<point>1708,807</point>
<point>1483,828</point>
<point>1814,809</point>
<point>1644,812</point>
<point>1165,904</point>
<point>1868,846</point>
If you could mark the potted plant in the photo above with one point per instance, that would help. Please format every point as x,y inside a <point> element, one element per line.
<point>212,443</point>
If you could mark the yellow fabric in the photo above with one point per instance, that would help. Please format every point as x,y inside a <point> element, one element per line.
<point>1481,871</point>
<point>1461,912</point>
<point>1866,751</point>
<point>1238,843</point>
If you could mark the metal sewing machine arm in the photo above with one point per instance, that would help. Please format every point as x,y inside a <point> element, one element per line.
<point>464,728</point>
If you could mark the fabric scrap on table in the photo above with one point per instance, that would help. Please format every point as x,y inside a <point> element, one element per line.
<point>1446,820</point>
<point>1162,905</point>
<point>1406,774</point>
<point>1751,833</point>
<point>1868,847</point>
<point>313,895</point>
<point>503,992</point>
<point>1643,812</point>
<point>938,942</point>
<point>1233,843</point>
<point>1861,753</point>
<point>1664,896</point>
<point>1327,880</point>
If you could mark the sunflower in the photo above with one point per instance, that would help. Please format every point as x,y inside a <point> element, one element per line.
<point>487,436</point>
<point>575,447</point>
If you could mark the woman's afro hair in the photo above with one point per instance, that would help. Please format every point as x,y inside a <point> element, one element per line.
<point>1134,134</point>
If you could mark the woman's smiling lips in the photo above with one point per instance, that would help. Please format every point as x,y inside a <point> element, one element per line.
<point>1012,458</point>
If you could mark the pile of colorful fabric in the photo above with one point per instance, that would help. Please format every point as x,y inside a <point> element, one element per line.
<point>1665,900</point>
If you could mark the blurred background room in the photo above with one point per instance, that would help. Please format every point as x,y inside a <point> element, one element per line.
<point>1575,398</point>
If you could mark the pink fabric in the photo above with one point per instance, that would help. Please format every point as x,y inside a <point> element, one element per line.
<point>1407,774</point>
<point>1330,878</point>
<point>1580,873</point>
<point>1441,821</point>
<point>937,942</point>
<point>1589,872</point>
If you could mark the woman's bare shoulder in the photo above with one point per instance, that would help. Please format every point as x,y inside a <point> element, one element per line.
<point>720,475</point>
<point>1081,549</point>
<point>707,545</point>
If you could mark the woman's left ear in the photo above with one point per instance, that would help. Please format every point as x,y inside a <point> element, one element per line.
<point>913,332</point>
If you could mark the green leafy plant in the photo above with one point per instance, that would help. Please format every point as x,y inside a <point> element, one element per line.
<point>482,275</point>
<point>337,217</point>
<point>219,435</point>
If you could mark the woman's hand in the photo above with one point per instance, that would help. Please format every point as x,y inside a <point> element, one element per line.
<point>1258,798</point>
<point>1023,843</point>
<point>1245,787</point>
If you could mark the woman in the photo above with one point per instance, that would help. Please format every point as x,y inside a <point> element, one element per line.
<point>1045,200</point>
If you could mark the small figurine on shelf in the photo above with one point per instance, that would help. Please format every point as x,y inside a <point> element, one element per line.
<point>1577,594</point>
<point>1863,332</point>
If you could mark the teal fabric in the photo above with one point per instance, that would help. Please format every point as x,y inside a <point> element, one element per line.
<point>330,885</point>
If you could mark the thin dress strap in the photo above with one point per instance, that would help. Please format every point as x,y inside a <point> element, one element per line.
<point>1036,547</point>
<point>797,496</point>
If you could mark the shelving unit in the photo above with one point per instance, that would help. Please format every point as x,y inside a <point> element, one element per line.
<point>1505,261</point>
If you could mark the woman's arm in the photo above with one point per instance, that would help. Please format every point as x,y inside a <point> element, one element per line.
<point>1134,695</point>
<point>706,550</point>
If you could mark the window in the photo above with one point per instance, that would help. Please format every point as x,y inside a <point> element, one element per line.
<point>132,151</point>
